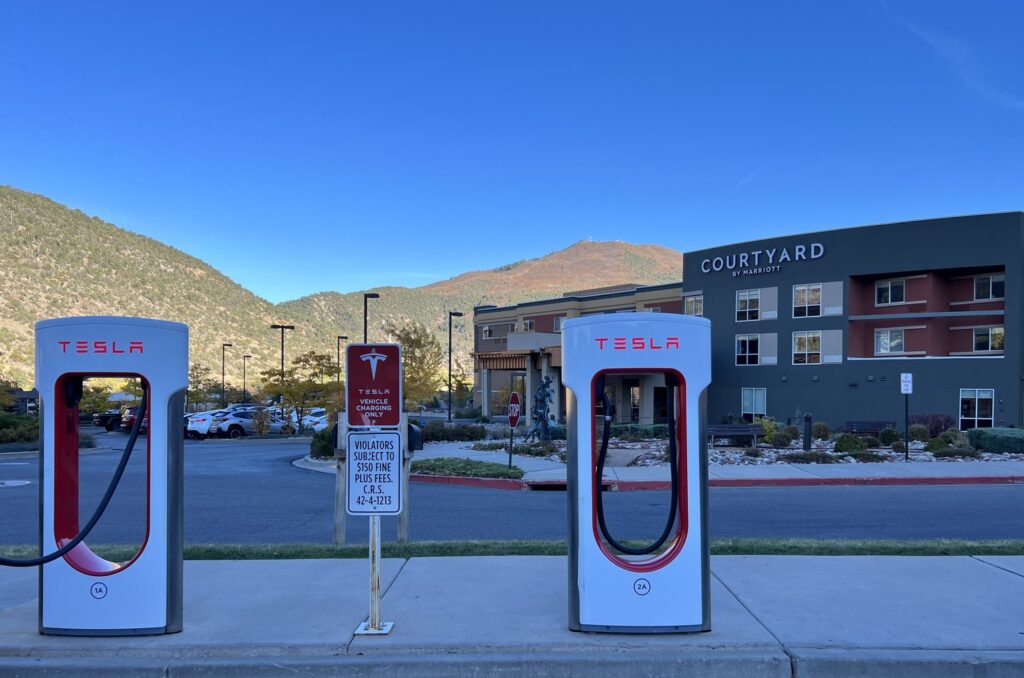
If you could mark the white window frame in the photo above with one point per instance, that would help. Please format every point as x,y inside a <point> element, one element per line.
<point>998,329</point>
<point>992,278</point>
<point>807,287</point>
<point>889,331</point>
<point>694,305</point>
<point>879,284</point>
<point>748,354</point>
<point>807,335</point>
<point>486,332</point>
<point>528,325</point>
<point>748,296</point>
<point>975,419</point>
<point>557,323</point>
<point>754,414</point>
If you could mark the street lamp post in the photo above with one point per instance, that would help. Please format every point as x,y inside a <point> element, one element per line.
<point>282,328</point>
<point>245,393</point>
<point>451,314</point>
<point>341,338</point>
<point>367,295</point>
<point>223,348</point>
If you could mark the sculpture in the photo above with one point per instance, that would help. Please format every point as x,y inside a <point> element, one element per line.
<point>541,427</point>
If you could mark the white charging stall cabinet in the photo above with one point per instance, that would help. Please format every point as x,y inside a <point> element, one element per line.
<point>83,593</point>
<point>666,591</point>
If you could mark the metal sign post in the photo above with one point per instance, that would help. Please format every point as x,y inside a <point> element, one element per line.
<point>373,451</point>
<point>906,388</point>
<point>513,421</point>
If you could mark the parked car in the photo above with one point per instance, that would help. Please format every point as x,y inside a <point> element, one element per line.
<point>200,424</point>
<point>109,420</point>
<point>128,416</point>
<point>316,423</point>
<point>240,423</point>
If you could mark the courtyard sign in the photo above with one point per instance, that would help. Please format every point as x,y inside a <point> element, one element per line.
<point>758,262</point>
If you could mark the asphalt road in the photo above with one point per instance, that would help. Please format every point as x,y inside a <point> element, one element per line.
<point>249,492</point>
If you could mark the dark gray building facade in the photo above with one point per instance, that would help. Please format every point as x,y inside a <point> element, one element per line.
<point>825,323</point>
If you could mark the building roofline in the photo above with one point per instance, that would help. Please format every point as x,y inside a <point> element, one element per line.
<point>1019,213</point>
<point>488,308</point>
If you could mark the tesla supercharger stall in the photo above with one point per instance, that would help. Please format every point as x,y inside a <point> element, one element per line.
<point>81,593</point>
<point>614,585</point>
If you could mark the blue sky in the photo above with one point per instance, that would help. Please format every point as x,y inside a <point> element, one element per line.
<point>310,146</point>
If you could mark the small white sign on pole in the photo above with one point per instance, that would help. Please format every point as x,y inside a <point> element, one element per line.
<point>906,383</point>
<point>374,473</point>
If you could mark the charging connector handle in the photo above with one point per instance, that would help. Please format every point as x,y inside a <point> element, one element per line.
<point>671,381</point>
<point>108,495</point>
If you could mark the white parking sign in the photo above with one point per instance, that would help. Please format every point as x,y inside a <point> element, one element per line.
<point>374,473</point>
<point>906,383</point>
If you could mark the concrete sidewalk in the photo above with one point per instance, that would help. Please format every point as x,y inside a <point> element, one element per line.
<point>546,472</point>
<point>771,616</point>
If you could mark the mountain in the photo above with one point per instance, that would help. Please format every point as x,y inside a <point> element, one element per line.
<point>56,261</point>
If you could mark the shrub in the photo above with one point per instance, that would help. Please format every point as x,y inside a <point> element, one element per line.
<point>768,426</point>
<point>848,443</point>
<point>809,458</point>
<point>888,435</point>
<point>998,440</point>
<point>483,420</point>
<point>919,432</point>
<point>935,423</point>
<point>538,449</point>
<point>488,446</point>
<point>936,445</point>
<point>899,446</point>
<point>872,441</point>
<point>454,466</point>
<point>820,431</point>
<point>867,456</point>
<point>781,440</point>
<point>954,437</point>
<point>754,452</point>
<point>957,452</point>
<point>436,431</point>
<point>467,413</point>
<point>793,432</point>
<point>321,445</point>
<point>17,428</point>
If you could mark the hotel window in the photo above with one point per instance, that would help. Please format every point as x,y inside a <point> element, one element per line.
<point>976,407</point>
<point>806,348</point>
<point>653,309</point>
<point>694,305</point>
<point>890,292</point>
<point>513,327</point>
<point>748,304</point>
<point>558,323</point>
<point>988,339</point>
<point>807,300</point>
<point>889,341</point>
<point>486,332</point>
<point>752,403</point>
<point>748,349</point>
<point>989,287</point>
<point>528,325</point>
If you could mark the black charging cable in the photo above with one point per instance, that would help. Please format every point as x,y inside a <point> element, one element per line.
<point>671,381</point>
<point>84,532</point>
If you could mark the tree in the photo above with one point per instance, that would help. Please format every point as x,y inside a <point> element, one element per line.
<point>201,385</point>
<point>422,358</point>
<point>95,398</point>
<point>7,388</point>
<point>303,386</point>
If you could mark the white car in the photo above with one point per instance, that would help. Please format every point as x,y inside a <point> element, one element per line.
<point>200,423</point>
<point>240,423</point>
<point>313,417</point>
<point>315,423</point>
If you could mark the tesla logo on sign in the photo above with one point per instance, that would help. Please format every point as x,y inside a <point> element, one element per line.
<point>373,358</point>
<point>99,347</point>
<point>636,343</point>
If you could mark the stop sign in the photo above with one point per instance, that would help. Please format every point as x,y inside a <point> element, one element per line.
<point>513,410</point>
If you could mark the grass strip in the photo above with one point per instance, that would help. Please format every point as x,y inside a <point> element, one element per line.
<point>424,549</point>
<point>457,466</point>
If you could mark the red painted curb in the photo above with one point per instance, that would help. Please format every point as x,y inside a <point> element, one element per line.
<point>493,483</point>
<point>630,485</point>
